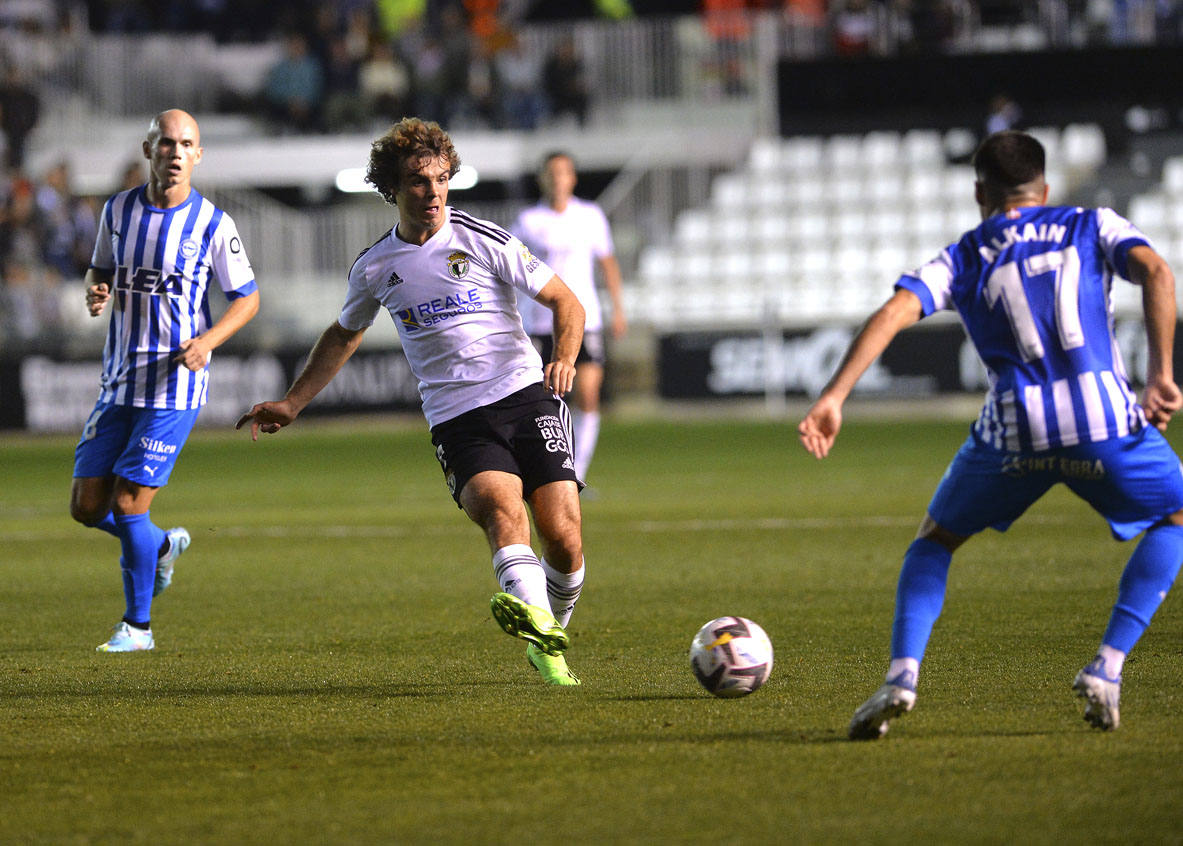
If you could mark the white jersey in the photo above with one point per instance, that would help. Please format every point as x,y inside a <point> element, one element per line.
<point>161,262</point>
<point>453,302</point>
<point>570,241</point>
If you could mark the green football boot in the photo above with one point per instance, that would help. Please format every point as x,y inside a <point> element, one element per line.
<point>529,622</point>
<point>552,668</point>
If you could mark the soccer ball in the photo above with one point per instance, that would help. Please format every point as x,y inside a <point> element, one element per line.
<point>731,656</point>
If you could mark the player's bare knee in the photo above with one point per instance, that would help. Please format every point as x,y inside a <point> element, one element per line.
<point>87,513</point>
<point>89,501</point>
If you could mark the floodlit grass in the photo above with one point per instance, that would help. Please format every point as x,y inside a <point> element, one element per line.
<point>327,670</point>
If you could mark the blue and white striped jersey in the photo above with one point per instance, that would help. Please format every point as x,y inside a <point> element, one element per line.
<point>161,261</point>
<point>1032,287</point>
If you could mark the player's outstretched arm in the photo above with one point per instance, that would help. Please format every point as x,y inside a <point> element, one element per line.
<point>1162,397</point>
<point>819,429</point>
<point>334,348</point>
<point>559,372</point>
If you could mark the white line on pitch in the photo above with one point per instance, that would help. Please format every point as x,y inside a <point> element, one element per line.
<point>773,524</point>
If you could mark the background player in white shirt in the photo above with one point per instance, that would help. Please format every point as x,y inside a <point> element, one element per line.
<point>500,431</point>
<point>1031,284</point>
<point>572,236</point>
<point>158,247</point>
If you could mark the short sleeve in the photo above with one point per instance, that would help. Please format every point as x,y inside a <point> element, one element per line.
<point>932,282</point>
<point>229,261</point>
<point>515,265</point>
<point>1117,237</point>
<point>361,306</point>
<point>103,257</point>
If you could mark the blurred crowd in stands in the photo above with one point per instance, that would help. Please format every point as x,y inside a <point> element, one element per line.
<point>349,64</point>
<point>355,64</point>
<point>47,234</point>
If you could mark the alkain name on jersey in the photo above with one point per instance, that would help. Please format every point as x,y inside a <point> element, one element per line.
<point>1031,232</point>
<point>439,310</point>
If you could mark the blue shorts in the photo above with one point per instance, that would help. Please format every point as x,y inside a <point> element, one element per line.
<point>1133,482</point>
<point>137,444</point>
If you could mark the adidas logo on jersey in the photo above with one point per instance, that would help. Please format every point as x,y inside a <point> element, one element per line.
<point>394,279</point>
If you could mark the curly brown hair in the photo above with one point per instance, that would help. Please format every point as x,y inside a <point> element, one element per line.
<point>408,141</point>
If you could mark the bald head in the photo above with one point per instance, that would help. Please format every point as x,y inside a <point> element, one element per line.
<point>170,121</point>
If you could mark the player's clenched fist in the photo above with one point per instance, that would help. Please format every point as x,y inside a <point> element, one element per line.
<point>96,298</point>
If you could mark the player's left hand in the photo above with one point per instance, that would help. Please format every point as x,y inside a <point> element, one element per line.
<point>194,354</point>
<point>558,377</point>
<point>1160,401</point>
<point>819,429</point>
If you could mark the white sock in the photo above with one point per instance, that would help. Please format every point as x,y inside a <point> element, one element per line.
<point>587,432</point>
<point>1113,658</point>
<point>900,665</point>
<point>518,571</point>
<point>563,590</point>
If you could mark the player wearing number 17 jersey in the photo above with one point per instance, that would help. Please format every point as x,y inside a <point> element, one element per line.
<point>159,248</point>
<point>1032,287</point>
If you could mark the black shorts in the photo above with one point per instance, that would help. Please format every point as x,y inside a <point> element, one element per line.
<point>591,352</point>
<point>528,434</point>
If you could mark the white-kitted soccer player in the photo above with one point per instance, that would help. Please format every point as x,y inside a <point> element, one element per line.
<point>500,428</point>
<point>572,236</point>
<point>159,247</point>
<point>1031,284</point>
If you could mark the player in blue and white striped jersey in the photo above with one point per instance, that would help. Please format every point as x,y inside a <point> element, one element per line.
<point>1032,286</point>
<point>158,249</point>
<point>500,429</point>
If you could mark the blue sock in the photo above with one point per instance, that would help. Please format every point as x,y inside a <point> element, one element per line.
<point>107,524</point>
<point>140,539</point>
<point>919,597</point>
<point>1144,584</point>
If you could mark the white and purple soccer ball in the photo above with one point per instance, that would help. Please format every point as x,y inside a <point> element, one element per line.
<point>731,656</point>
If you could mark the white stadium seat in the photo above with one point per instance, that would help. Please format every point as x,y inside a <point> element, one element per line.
<point>802,154</point>
<point>694,227</point>
<point>1172,176</point>
<point>884,188</point>
<point>772,265</point>
<point>765,156</point>
<point>729,190</point>
<point>923,147</point>
<point>657,263</point>
<point>843,153</point>
<point>1083,146</point>
<point>807,226</point>
<point>1149,213</point>
<point>881,150</point>
<point>770,229</point>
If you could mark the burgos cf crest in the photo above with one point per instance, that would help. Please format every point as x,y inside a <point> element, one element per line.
<point>458,264</point>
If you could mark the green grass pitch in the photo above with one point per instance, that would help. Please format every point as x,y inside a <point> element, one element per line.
<point>327,671</point>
